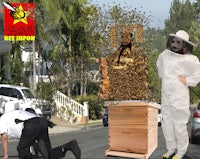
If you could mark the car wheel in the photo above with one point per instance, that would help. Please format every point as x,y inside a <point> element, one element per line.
<point>105,124</point>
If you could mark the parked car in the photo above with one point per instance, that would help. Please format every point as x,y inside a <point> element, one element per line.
<point>105,117</point>
<point>195,125</point>
<point>19,98</point>
<point>159,117</point>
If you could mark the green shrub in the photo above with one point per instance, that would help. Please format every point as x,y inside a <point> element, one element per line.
<point>95,106</point>
<point>45,91</point>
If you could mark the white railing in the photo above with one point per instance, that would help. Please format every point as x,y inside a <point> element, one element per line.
<point>64,102</point>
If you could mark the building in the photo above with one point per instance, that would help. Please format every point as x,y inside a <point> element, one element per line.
<point>4,49</point>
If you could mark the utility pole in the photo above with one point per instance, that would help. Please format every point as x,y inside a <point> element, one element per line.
<point>34,66</point>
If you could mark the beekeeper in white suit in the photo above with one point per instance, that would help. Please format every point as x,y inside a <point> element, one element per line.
<point>178,69</point>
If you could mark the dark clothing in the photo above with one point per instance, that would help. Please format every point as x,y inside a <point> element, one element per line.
<point>35,132</point>
<point>34,129</point>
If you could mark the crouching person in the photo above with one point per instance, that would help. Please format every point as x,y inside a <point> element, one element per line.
<point>31,130</point>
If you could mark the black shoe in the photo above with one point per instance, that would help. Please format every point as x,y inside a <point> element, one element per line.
<point>73,146</point>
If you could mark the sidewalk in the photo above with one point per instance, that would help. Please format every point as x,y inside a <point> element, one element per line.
<point>63,126</point>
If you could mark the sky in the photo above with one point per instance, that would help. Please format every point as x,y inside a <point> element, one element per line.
<point>158,9</point>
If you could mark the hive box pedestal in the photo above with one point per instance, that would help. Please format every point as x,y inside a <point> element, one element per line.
<point>132,129</point>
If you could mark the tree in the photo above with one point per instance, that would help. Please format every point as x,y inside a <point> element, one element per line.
<point>181,16</point>
<point>195,38</point>
<point>154,81</point>
<point>17,67</point>
<point>186,16</point>
<point>70,40</point>
<point>155,41</point>
<point>195,25</point>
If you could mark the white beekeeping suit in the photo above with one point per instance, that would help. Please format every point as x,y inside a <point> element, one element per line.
<point>172,63</point>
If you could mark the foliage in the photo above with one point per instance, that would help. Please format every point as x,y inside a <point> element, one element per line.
<point>181,16</point>
<point>195,33</point>
<point>195,91</point>
<point>155,40</point>
<point>12,71</point>
<point>92,88</point>
<point>154,81</point>
<point>95,106</point>
<point>71,41</point>
<point>45,91</point>
<point>16,63</point>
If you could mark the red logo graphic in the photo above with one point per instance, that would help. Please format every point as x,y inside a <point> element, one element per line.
<point>19,21</point>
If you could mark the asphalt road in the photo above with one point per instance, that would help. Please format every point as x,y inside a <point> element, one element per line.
<point>94,142</point>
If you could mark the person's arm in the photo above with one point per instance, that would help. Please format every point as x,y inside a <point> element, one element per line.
<point>194,68</point>
<point>50,124</point>
<point>4,138</point>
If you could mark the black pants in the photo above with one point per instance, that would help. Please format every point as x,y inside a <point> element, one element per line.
<point>37,129</point>
<point>34,129</point>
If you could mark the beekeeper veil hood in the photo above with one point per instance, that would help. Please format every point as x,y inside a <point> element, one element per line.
<point>177,42</point>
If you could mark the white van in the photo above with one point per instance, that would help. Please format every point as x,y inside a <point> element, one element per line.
<point>19,98</point>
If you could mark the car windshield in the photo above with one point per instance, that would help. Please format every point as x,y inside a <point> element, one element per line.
<point>28,93</point>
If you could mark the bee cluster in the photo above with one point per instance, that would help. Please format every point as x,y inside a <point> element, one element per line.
<point>115,30</point>
<point>125,78</point>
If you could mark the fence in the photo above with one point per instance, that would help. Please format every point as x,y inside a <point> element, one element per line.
<point>70,109</point>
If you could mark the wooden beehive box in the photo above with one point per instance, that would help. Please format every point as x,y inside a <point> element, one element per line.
<point>132,129</point>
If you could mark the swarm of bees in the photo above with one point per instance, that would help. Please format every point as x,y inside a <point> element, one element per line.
<point>125,71</point>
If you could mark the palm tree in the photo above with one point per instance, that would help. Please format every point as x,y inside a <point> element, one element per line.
<point>65,30</point>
